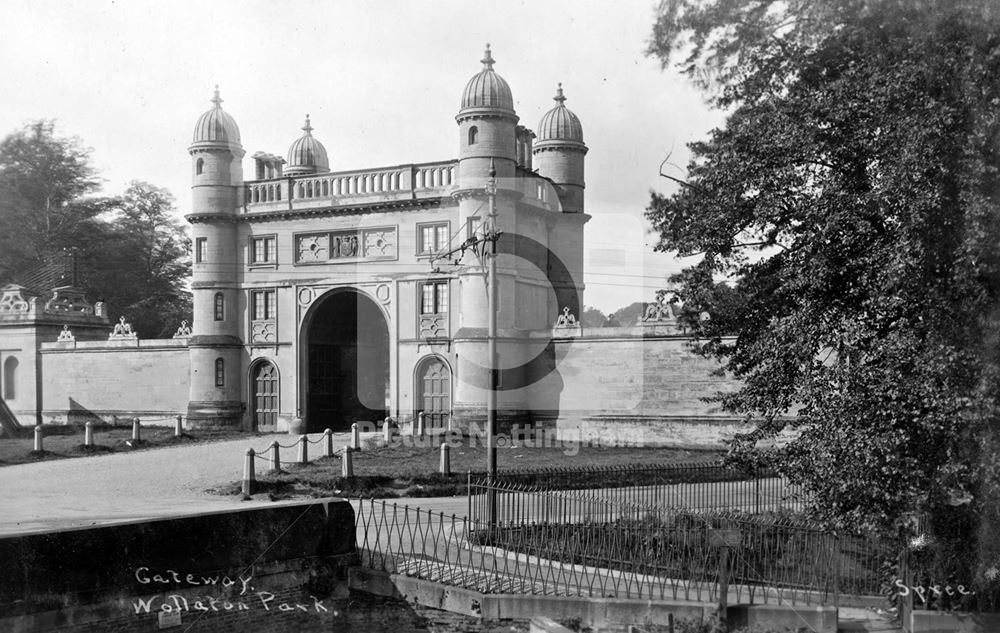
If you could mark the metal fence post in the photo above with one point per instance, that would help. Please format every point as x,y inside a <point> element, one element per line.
<point>136,434</point>
<point>347,463</point>
<point>355,437</point>
<point>303,449</point>
<point>723,583</point>
<point>88,433</point>
<point>249,477</point>
<point>421,421</point>
<point>445,459</point>
<point>327,443</point>
<point>387,431</point>
<point>178,426</point>
<point>836,572</point>
<point>39,447</point>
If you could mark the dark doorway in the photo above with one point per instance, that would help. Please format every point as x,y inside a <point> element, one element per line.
<point>264,383</point>
<point>348,362</point>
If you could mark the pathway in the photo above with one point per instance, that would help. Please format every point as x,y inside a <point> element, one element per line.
<point>131,486</point>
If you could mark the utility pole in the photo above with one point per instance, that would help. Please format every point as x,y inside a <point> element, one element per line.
<point>488,243</point>
<point>492,236</point>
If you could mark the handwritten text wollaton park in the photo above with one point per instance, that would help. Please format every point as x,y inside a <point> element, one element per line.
<point>247,596</point>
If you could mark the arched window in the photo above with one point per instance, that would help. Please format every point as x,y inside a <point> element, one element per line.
<point>9,378</point>
<point>199,166</point>
<point>220,307</point>
<point>473,135</point>
<point>220,372</point>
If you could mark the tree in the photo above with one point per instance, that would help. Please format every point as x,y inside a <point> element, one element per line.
<point>138,262</point>
<point>45,181</point>
<point>592,317</point>
<point>853,192</point>
<point>130,250</point>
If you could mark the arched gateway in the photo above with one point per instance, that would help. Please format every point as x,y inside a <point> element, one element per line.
<point>346,361</point>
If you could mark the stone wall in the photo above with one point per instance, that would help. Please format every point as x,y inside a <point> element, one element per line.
<point>88,380</point>
<point>624,385</point>
<point>279,567</point>
<point>635,385</point>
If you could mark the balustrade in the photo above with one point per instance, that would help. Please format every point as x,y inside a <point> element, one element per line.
<point>407,179</point>
<point>399,180</point>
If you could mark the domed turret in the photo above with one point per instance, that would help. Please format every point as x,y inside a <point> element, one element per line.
<point>307,155</point>
<point>559,123</point>
<point>214,347</point>
<point>216,127</point>
<point>559,153</point>
<point>487,89</point>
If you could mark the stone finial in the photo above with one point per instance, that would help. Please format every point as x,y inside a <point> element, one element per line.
<point>15,299</point>
<point>566,319</point>
<point>123,330</point>
<point>307,128</point>
<point>567,325</point>
<point>183,331</point>
<point>487,59</point>
<point>559,98</point>
<point>216,99</point>
<point>66,336</point>
<point>658,312</point>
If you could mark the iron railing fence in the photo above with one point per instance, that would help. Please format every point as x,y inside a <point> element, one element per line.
<point>774,561</point>
<point>775,550</point>
<point>711,486</point>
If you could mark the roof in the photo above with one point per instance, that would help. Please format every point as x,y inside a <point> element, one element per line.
<point>216,126</point>
<point>560,123</point>
<point>487,89</point>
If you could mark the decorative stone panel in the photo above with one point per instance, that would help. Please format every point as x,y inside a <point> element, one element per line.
<point>350,245</point>
<point>263,331</point>
<point>68,300</point>
<point>433,326</point>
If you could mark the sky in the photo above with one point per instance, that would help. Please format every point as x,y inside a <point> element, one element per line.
<point>382,82</point>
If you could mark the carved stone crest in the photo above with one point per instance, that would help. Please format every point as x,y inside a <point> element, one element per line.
<point>68,300</point>
<point>566,324</point>
<point>66,336</point>
<point>123,330</point>
<point>15,299</point>
<point>183,331</point>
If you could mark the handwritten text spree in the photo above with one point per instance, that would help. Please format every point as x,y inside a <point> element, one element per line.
<point>936,590</point>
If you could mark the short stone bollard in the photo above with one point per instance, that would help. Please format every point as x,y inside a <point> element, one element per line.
<point>136,433</point>
<point>275,456</point>
<point>39,447</point>
<point>387,431</point>
<point>327,443</point>
<point>421,429</point>
<point>347,462</point>
<point>249,477</point>
<point>303,449</point>
<point>445,459</point>
<point>88,433</point>
<point>178,426</point>
<point>355,437</point>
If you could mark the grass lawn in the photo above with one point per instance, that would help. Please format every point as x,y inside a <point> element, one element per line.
<point>64,441</point>
<point>412,471</point>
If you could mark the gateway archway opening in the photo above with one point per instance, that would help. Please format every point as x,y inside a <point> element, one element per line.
<point>348,362</point>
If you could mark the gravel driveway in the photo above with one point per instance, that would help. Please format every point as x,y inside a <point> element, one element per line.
<point>130,486</point>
